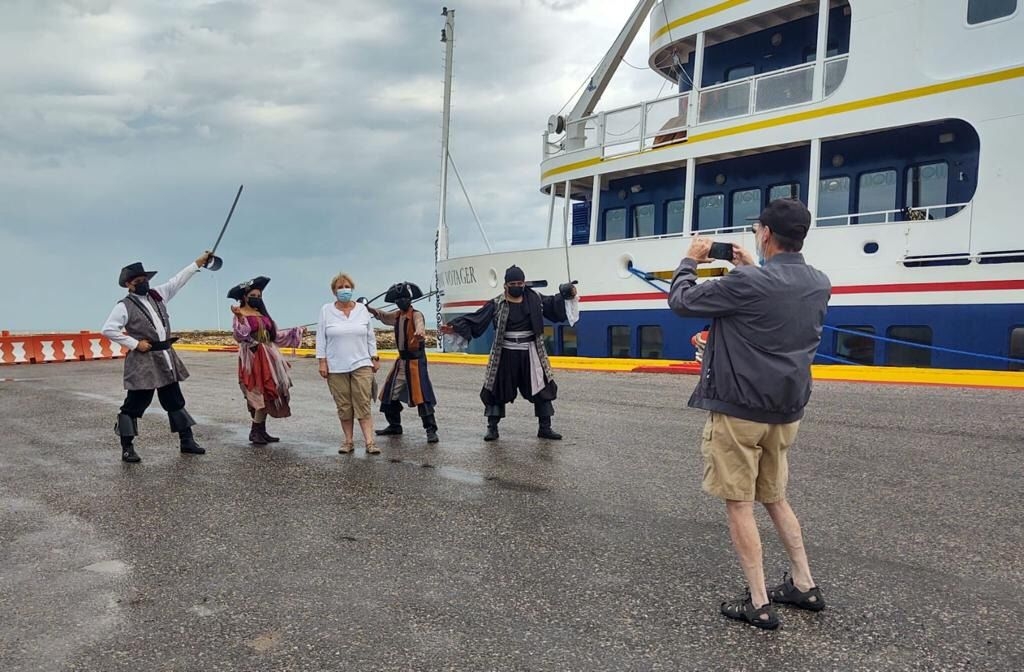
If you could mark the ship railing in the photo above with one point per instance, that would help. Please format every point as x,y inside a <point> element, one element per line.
<point>908,214</point>
<point>661,122</point>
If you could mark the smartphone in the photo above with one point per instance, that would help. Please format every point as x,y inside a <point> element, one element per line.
<point>721,251</point>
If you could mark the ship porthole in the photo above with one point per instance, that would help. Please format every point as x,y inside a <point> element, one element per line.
<point>492,278</point>
<point>870,247</point>
<point>625,263</point>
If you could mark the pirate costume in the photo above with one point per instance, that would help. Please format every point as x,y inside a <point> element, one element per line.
<point>262,369</point>
<point>408,381</point>
<point>518,361</point>
<point>142,315</point>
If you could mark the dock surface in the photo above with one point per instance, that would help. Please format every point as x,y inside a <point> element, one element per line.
<point>599,552</point>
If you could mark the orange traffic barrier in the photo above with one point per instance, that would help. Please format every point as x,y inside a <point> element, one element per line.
<point>45,348</point>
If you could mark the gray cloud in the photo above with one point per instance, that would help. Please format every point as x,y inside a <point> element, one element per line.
<point>127,126</point>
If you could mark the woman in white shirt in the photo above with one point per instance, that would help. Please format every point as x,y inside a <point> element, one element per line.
<point>346,347</point>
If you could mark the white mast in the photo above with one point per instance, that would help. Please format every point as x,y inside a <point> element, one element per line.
<point>448,37</point>
<point>441,241</point>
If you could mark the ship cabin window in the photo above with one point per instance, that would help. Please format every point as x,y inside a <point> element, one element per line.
<point>618,341</point>
<point>791,190</point>
<point>549,339</point>
<point>982,11</point>
<point>746,206</point>
<point>711,212</point>
<point>1017,348</point>
<point>674,216</point>
<point>643,220</point>
<point>615,225</point>
<point>854,348</point>
<point>570,347</point>
<point>652,343</point>
<point>810,53</point>
<point>833,200</point>
<point>899,354</point>
<point>876,192</point>
<point>928,186</point>
<point>739,72</point>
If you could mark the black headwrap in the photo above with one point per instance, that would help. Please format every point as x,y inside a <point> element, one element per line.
<point>515,274</point>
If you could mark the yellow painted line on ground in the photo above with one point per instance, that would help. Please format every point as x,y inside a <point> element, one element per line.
<point>1009,380</point>
<point>796,117</point>
<point>696,16</point>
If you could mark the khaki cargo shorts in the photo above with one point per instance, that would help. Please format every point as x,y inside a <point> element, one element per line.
<point>352,392</point>
<point>745,461</point>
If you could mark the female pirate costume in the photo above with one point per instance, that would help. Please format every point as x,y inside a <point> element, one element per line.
<point>141,317</point>
<point>262,369</point>
<point>408,381</point>
<point>518,360</point>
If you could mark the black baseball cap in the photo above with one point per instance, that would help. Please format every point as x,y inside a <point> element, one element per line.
<point>787,217</point>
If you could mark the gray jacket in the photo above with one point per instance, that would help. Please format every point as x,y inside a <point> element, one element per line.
<point>765,329</point>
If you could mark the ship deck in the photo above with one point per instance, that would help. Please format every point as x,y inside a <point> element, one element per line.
<point>596,553</point>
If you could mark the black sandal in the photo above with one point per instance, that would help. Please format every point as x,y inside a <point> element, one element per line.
<point>743,610</point>
<point>787,593</point>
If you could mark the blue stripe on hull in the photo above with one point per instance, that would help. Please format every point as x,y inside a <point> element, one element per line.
<point>984,329</point>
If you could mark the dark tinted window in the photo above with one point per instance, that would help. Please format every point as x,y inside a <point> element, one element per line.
<point>618,338</point>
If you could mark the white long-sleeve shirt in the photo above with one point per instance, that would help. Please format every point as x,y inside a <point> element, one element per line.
<point>113,328</point>
<point>347,343</point>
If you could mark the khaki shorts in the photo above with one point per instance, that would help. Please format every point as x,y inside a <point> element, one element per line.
<point>745,461</point>
<point>352,392</point>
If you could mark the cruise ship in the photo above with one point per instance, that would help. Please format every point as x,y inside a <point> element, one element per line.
<point>900,123</point>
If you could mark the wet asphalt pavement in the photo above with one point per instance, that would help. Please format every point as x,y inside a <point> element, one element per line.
<point>599,552</point>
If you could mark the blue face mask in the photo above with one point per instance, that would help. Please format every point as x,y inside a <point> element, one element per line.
<point>344,295</point>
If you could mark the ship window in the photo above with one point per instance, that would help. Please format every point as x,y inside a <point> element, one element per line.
<point>876,192</point>
<point>652,343</point>
<point>833,200</point>
<point>1017,348</point>
<point>927,186</point>
<point>711,212</point>
<point>980,11</point>
<point>898,354</point>
<point>570,347</point>
<point>643,220</point>
<point>674,216</point>
<point>618,341</point>
<point>739,72</point>
<point>855,348</point>
<point>549,339</point>
<point>615,224</point>
<point>746,206</point>
<point>791,190</point>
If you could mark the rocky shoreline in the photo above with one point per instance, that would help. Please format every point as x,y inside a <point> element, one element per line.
<point>385,338</point>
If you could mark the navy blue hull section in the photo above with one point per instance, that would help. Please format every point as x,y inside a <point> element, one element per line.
<point>984,329</point>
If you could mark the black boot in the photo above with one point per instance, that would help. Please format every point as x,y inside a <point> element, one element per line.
<point>188,443</point>
<point>128,453</point>
<point>181,423</point>
<point>544,430</point>
<point>256,436</point>
<point>127,428</point>
<point>267,437</point>
<point>544,410</point>
<point>393,414</point>
<point>492,428</point>
<point>426,412</point>
<point>494,415</point>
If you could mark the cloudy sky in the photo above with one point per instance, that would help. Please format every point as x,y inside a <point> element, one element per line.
<point>126,127</point>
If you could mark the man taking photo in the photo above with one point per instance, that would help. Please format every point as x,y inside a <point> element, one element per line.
<point>755,381</point>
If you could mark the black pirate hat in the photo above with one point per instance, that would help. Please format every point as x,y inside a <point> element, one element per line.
<point>133,271</point>
<point>401,290</point>
<point>237,292</point>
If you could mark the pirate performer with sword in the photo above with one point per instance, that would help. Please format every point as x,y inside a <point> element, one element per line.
<point>408,382</point>
<point>518,361</point>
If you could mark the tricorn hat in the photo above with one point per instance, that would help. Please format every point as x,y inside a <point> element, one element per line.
<point>402,290</point>
<point>133,271</point>
<point>237,292</point>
